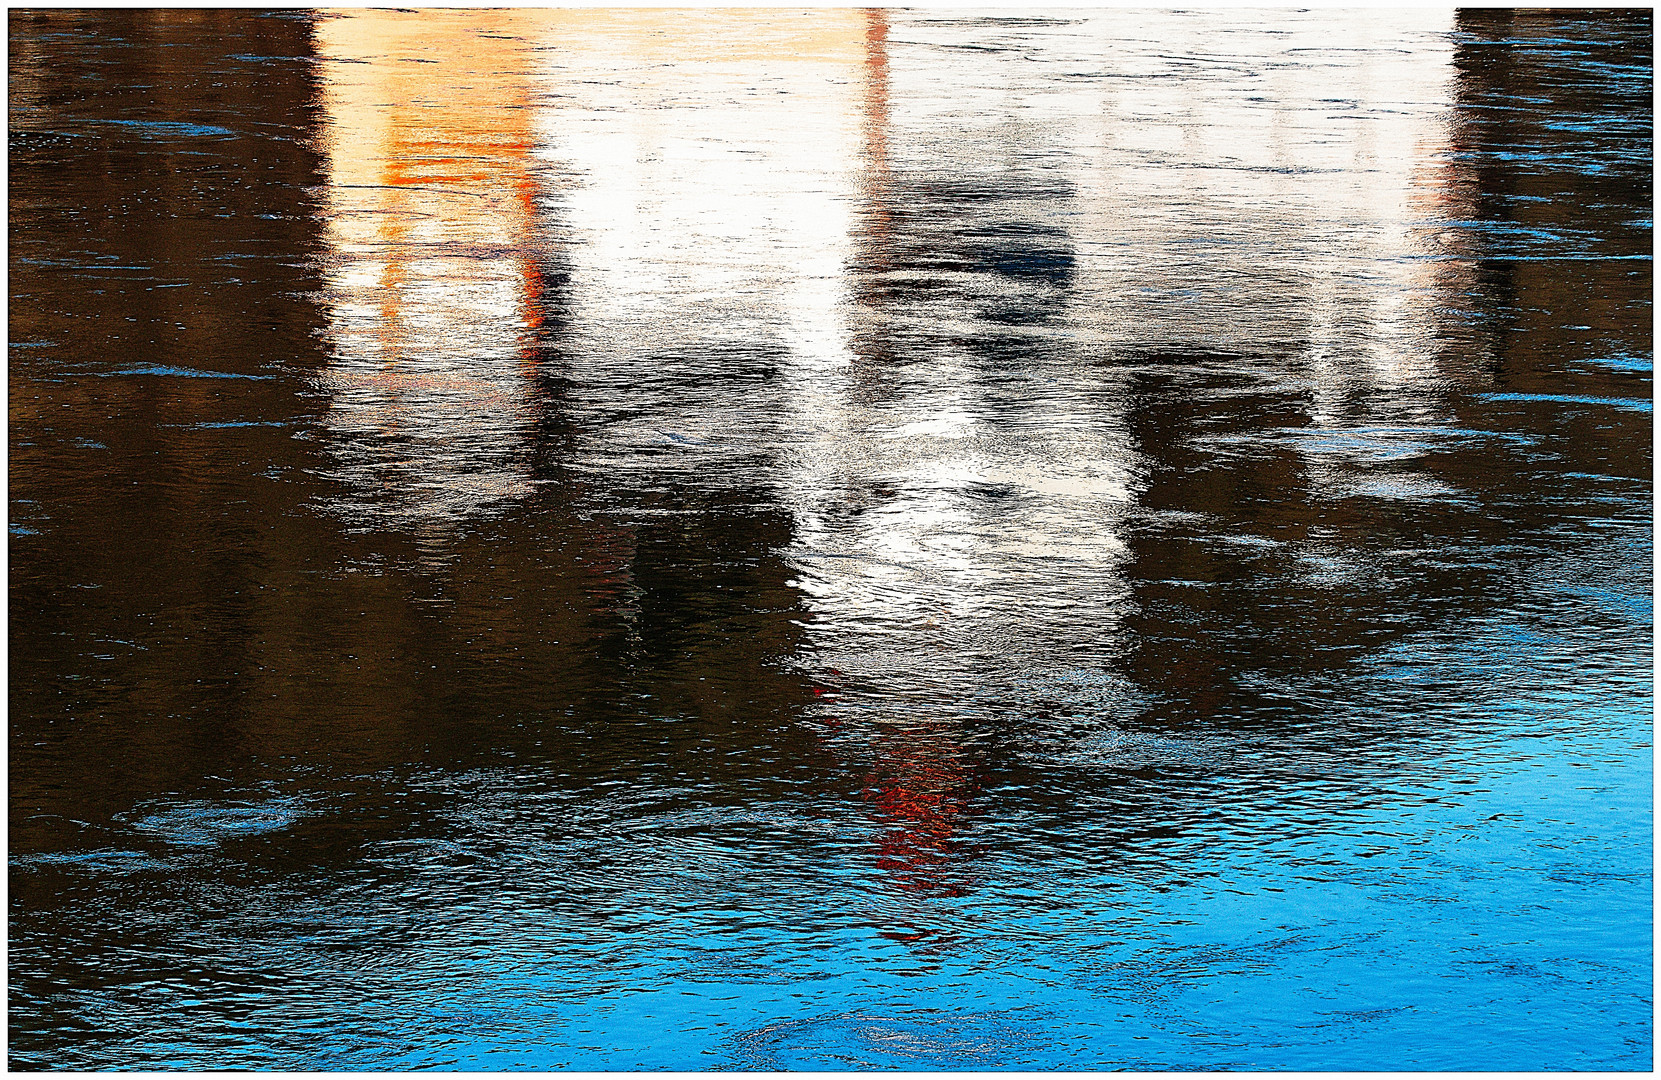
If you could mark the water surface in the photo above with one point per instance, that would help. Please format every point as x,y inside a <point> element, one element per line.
<point>764,540</point>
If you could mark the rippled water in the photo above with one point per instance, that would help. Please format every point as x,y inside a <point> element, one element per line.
<point>768,540</point>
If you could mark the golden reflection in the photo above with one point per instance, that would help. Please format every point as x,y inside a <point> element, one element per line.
<point>433,283</point>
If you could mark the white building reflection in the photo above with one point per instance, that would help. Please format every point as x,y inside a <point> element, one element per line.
<point>892,278</point>
<point>1276,190</point>
<point>734,187</point>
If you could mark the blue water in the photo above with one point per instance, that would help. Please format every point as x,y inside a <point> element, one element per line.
<point>182,372</point>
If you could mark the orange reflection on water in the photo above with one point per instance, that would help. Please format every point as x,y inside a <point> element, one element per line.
<point>434,282</point>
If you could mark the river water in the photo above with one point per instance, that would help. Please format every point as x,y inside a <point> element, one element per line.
<point>845,539</point>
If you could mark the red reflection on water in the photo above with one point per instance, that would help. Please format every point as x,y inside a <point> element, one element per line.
<point>920,789</point>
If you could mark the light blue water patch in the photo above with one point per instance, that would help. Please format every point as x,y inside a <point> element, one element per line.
<point>1637,606</point>
<point>22,530</point>
<point>107,861</point>
<point>208,426</point>
<point>1325,943</point>
<point>183,372</point>
<point>1263,968</point>
<point>170,128</point>
<point>1638,404</point>
<point>1501,256</point>
<point>1624,362</point>
<point>204,824</point>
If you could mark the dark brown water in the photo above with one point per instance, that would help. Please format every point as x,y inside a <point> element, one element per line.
<point>852,539</point>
